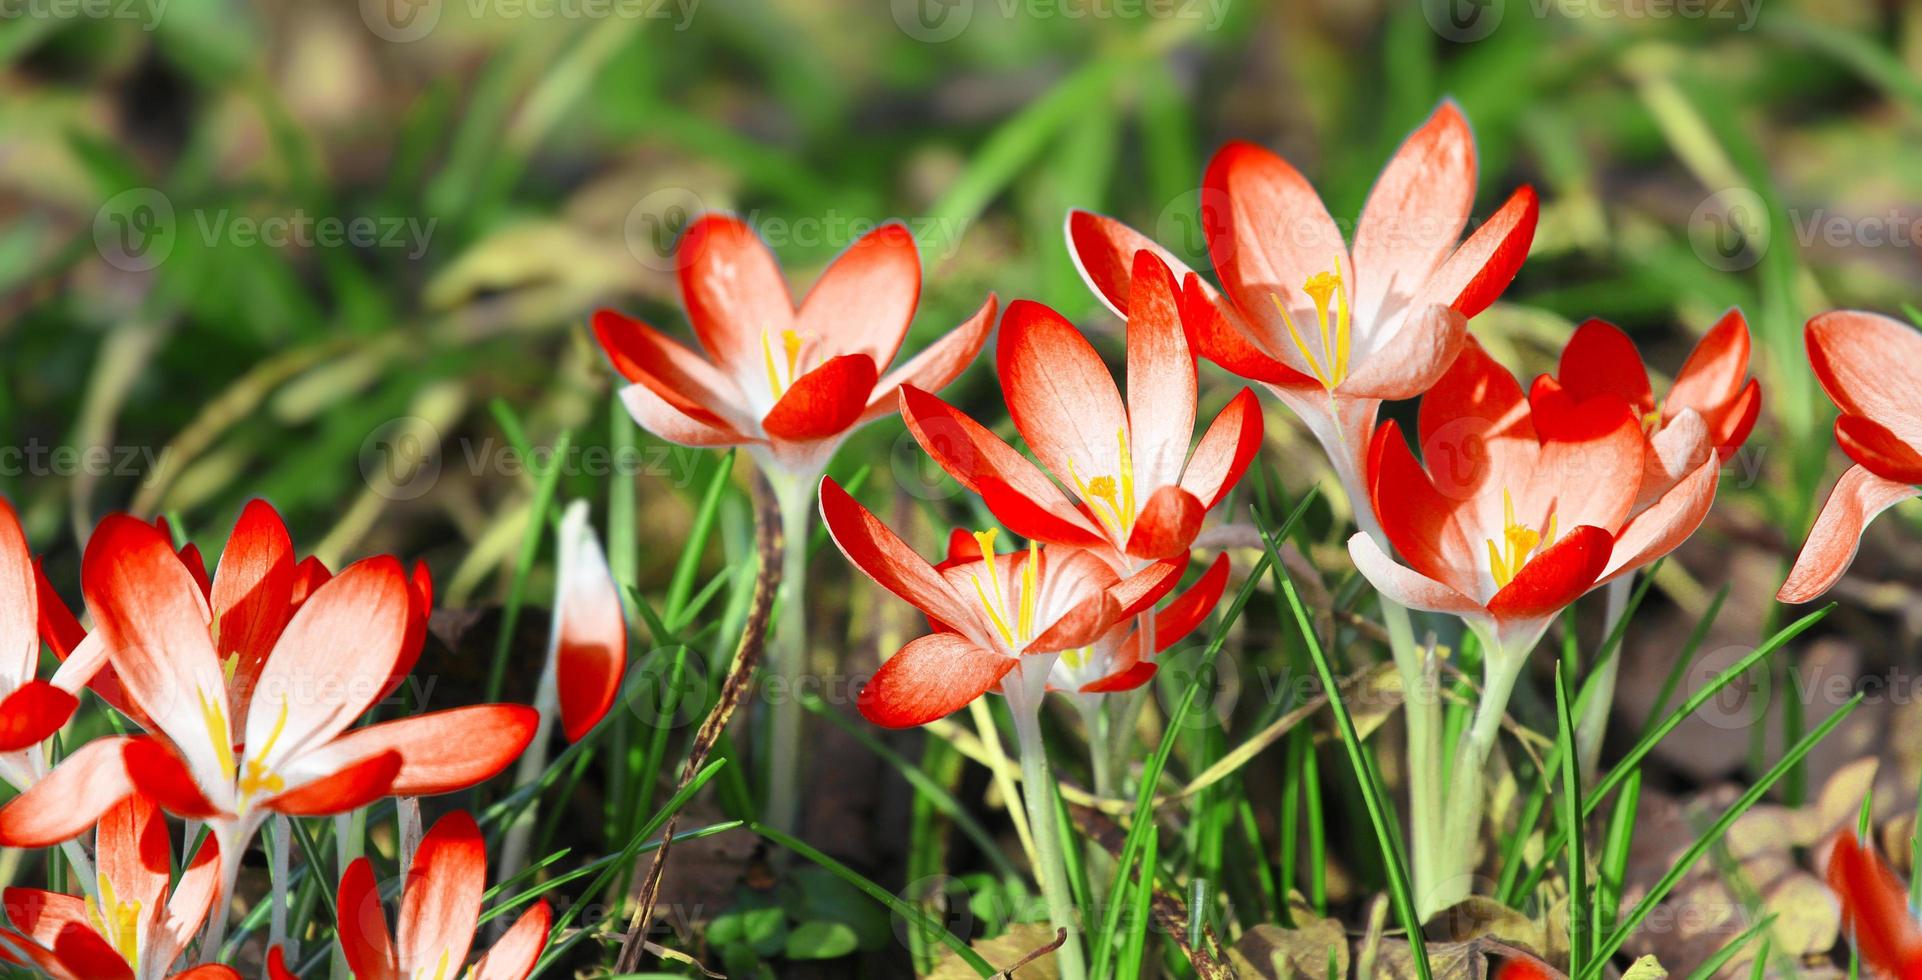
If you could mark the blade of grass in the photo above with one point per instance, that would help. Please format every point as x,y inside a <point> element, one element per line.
<point>524,564</point>
<point>1579,936</point>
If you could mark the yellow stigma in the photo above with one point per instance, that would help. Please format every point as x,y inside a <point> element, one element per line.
<point>118,924</point>
<point>213,714</point>
<point>777,380</point>
<point>994,600</point>
<point>1113,498</point>
<point>259,778</point>
<point>1652,421</point>
<point>1329,293</point>
<point>1505,560</point>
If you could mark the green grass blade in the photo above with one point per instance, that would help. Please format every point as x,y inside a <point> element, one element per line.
<point>1579,937</point>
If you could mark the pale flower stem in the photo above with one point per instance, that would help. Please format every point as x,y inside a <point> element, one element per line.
<point>795,495</point>
<point>1037,792</point>
<point>1003,779</point>
<point>1592,726</point>
<point>407,810</point>
<point>533,762</point>
<point>349,831</point>
<point>278,865</point>
<point>233,844</point>
<point>1464,805</point>
<point>1421,710</point>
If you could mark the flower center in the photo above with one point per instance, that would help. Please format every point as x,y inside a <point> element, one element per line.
<point>1505,560</point>
<point>1652,421</point>
<point>781,372</point>
<point>994,599</point>
<point>117,923</point>
<point>1330,296</point>
<point>1112,499</point>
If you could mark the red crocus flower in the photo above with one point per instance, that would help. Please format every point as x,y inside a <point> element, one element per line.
<point>31,710</point>
<point>588,649</point>
<point>1515,968</point>
<point>229,753</point>
<point>1115,661</point>
<point>255,591</point>
<point>990,614</point>
<point>1871,367</point>
<point>1875,910</point>
<point>1521,507</point>
<point>1713,384</point>
<point>136,926</point>
<point>1333,329</point>
<point>1137,491</point>
<point>788,383</point>
<point>440,907</point>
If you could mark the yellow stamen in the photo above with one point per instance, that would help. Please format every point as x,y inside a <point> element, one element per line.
<point>1117,496</point>
<point>986,540</point>
<point>213,714</point>
<point>1505,560</point>
<point>259,777</point>
<point>1329,292</point>
<point>791,343</point>
<point>1076,658</point>
<point>1030,585</point>
<point>118,924</point>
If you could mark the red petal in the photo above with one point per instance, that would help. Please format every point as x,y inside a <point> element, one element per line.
<point>679,376</point>
<point>1418,517</point>
<point>1021,515</point>
<point>1225,450</point>
<point>1104,251</point>
<point>733,291</point>
<point>1883,452</point>
<point>1222,337</point>
<point>365,940</point>
<point>1555,577</point>
<point>253,591</point>
<point>1600,360</point>
<point>1161,376</point>
<point>70,800</point>
<point>1139,592</point>
<point>445,751</point>
<point>1167,524</point>
<point>276,965</point>
<point>350,788</point>
<point>19,601</point>
<point>1875,909</point>
<point>1126,679</point>
<point>1486,263</point>
<point>823,402</point>
<point>1857,498</point>
<point>334,659</point>
<point>441,902</point>
<point>932,677</point>
<point>656,415</point>
<point>977,458</point>
<point>1870,366</point>
<point>514,955</point>
<point>1406,586</point>
<point>885,558</point>
<point>32,713</point>
<point>1415,213</point>
<point>937,364</point>
<point>1179,618</point>
<point>591,630</point>
<point>1059,393</point>
<point>58,626</point>
<point>133,852</point>
<point>865,299</point>
<point>1270,232</point>
<point>1412,359</point>
<point>1713,377</point>
<point>158,772</point>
